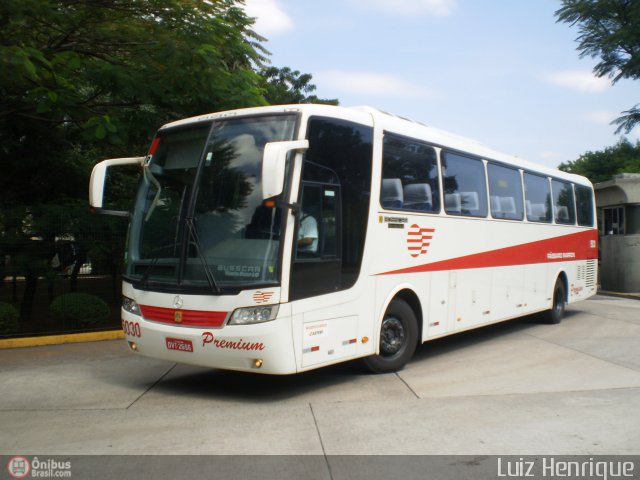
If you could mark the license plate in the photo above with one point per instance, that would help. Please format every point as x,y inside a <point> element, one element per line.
<point>179,344</point>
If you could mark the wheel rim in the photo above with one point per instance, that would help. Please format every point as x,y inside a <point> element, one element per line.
<point>392,336</point>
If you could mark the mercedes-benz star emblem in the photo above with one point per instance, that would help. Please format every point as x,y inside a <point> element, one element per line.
<point>178,301</point>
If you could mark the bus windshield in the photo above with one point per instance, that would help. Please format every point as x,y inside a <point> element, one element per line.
<point>198,220</point>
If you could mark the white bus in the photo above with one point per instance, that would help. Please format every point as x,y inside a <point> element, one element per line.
<point>281,239</point>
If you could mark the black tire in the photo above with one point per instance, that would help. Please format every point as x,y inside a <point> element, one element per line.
<point>556,313</point>
<point>398,339</point>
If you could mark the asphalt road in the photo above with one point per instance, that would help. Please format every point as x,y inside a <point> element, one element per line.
<point>518,388</point>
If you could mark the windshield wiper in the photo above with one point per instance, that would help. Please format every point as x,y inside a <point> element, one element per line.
<point>144,280</point>
<point>193,234</point>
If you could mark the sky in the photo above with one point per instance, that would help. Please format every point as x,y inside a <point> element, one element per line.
<point>502,72</point>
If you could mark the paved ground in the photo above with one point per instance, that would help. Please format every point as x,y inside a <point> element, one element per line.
<point>518,388</point>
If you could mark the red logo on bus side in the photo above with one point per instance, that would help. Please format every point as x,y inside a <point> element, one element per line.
<point>262,297</point>
<point>419,239</point>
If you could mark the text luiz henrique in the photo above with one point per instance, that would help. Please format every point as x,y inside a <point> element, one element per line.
<point>553,468</point>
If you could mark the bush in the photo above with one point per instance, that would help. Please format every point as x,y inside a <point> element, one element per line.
<point>82,309</point>
<point>8,318</point>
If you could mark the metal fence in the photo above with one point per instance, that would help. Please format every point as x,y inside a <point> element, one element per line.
<point>61,275</point>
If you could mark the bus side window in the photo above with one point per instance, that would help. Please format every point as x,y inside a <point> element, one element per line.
<point>538,198</point>
<point>464,185</point>
<point>505,190</point>
<point>584,205</point>
<point>409,175</point>
<point>563,205</point>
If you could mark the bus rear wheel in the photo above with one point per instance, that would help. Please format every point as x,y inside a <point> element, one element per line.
<point>559,301</point>
<point>398,339</point>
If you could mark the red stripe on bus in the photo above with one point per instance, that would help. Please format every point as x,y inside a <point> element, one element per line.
<point>575,246</point>
<point>189,318</point>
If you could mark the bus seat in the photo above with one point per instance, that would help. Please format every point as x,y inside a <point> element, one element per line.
<point>562,214</point>
<point>539,212</point>
<point>496,206</point>
<point>470,201</point>
<point>417,196</point>
<point>392,193</point>
<point>508,205</point>
<point>452,203</point>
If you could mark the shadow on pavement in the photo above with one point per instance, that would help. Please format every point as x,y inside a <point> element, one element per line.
<point>256,388</point>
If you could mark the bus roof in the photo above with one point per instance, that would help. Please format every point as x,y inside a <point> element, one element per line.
<point>396,124</point>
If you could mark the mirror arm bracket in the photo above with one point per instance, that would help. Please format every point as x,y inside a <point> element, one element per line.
<point>294,207</point>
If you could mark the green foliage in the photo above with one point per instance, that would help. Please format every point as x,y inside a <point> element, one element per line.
<point>104,74</point>
<point>84,81</point>
<point>624,157</point>
<point>81,309</point>
<point>283,86</point>
<point>609,29</point>
<point>8,318</point>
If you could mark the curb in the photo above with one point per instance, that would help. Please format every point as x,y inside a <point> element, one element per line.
<point>632,296</point>
<point>61,339</point>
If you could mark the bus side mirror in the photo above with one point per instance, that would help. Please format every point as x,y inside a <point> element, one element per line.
<point>98,180</point>
<point>274,161</point>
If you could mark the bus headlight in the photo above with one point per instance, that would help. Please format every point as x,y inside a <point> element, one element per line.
<point>249,315</point>
<point>130,305</point>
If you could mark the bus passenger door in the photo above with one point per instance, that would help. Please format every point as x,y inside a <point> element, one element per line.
<point>329,331</point>
<point>328,304</point>
<point>316,265</point>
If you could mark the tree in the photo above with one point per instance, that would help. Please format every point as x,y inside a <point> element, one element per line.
<point>283,86</point>
<point>89,79</point>
<point>609,29</point>
<point>624,157</point>
<point>106,73</point>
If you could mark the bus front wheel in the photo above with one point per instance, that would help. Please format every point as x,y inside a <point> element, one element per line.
<point>398,339</point>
